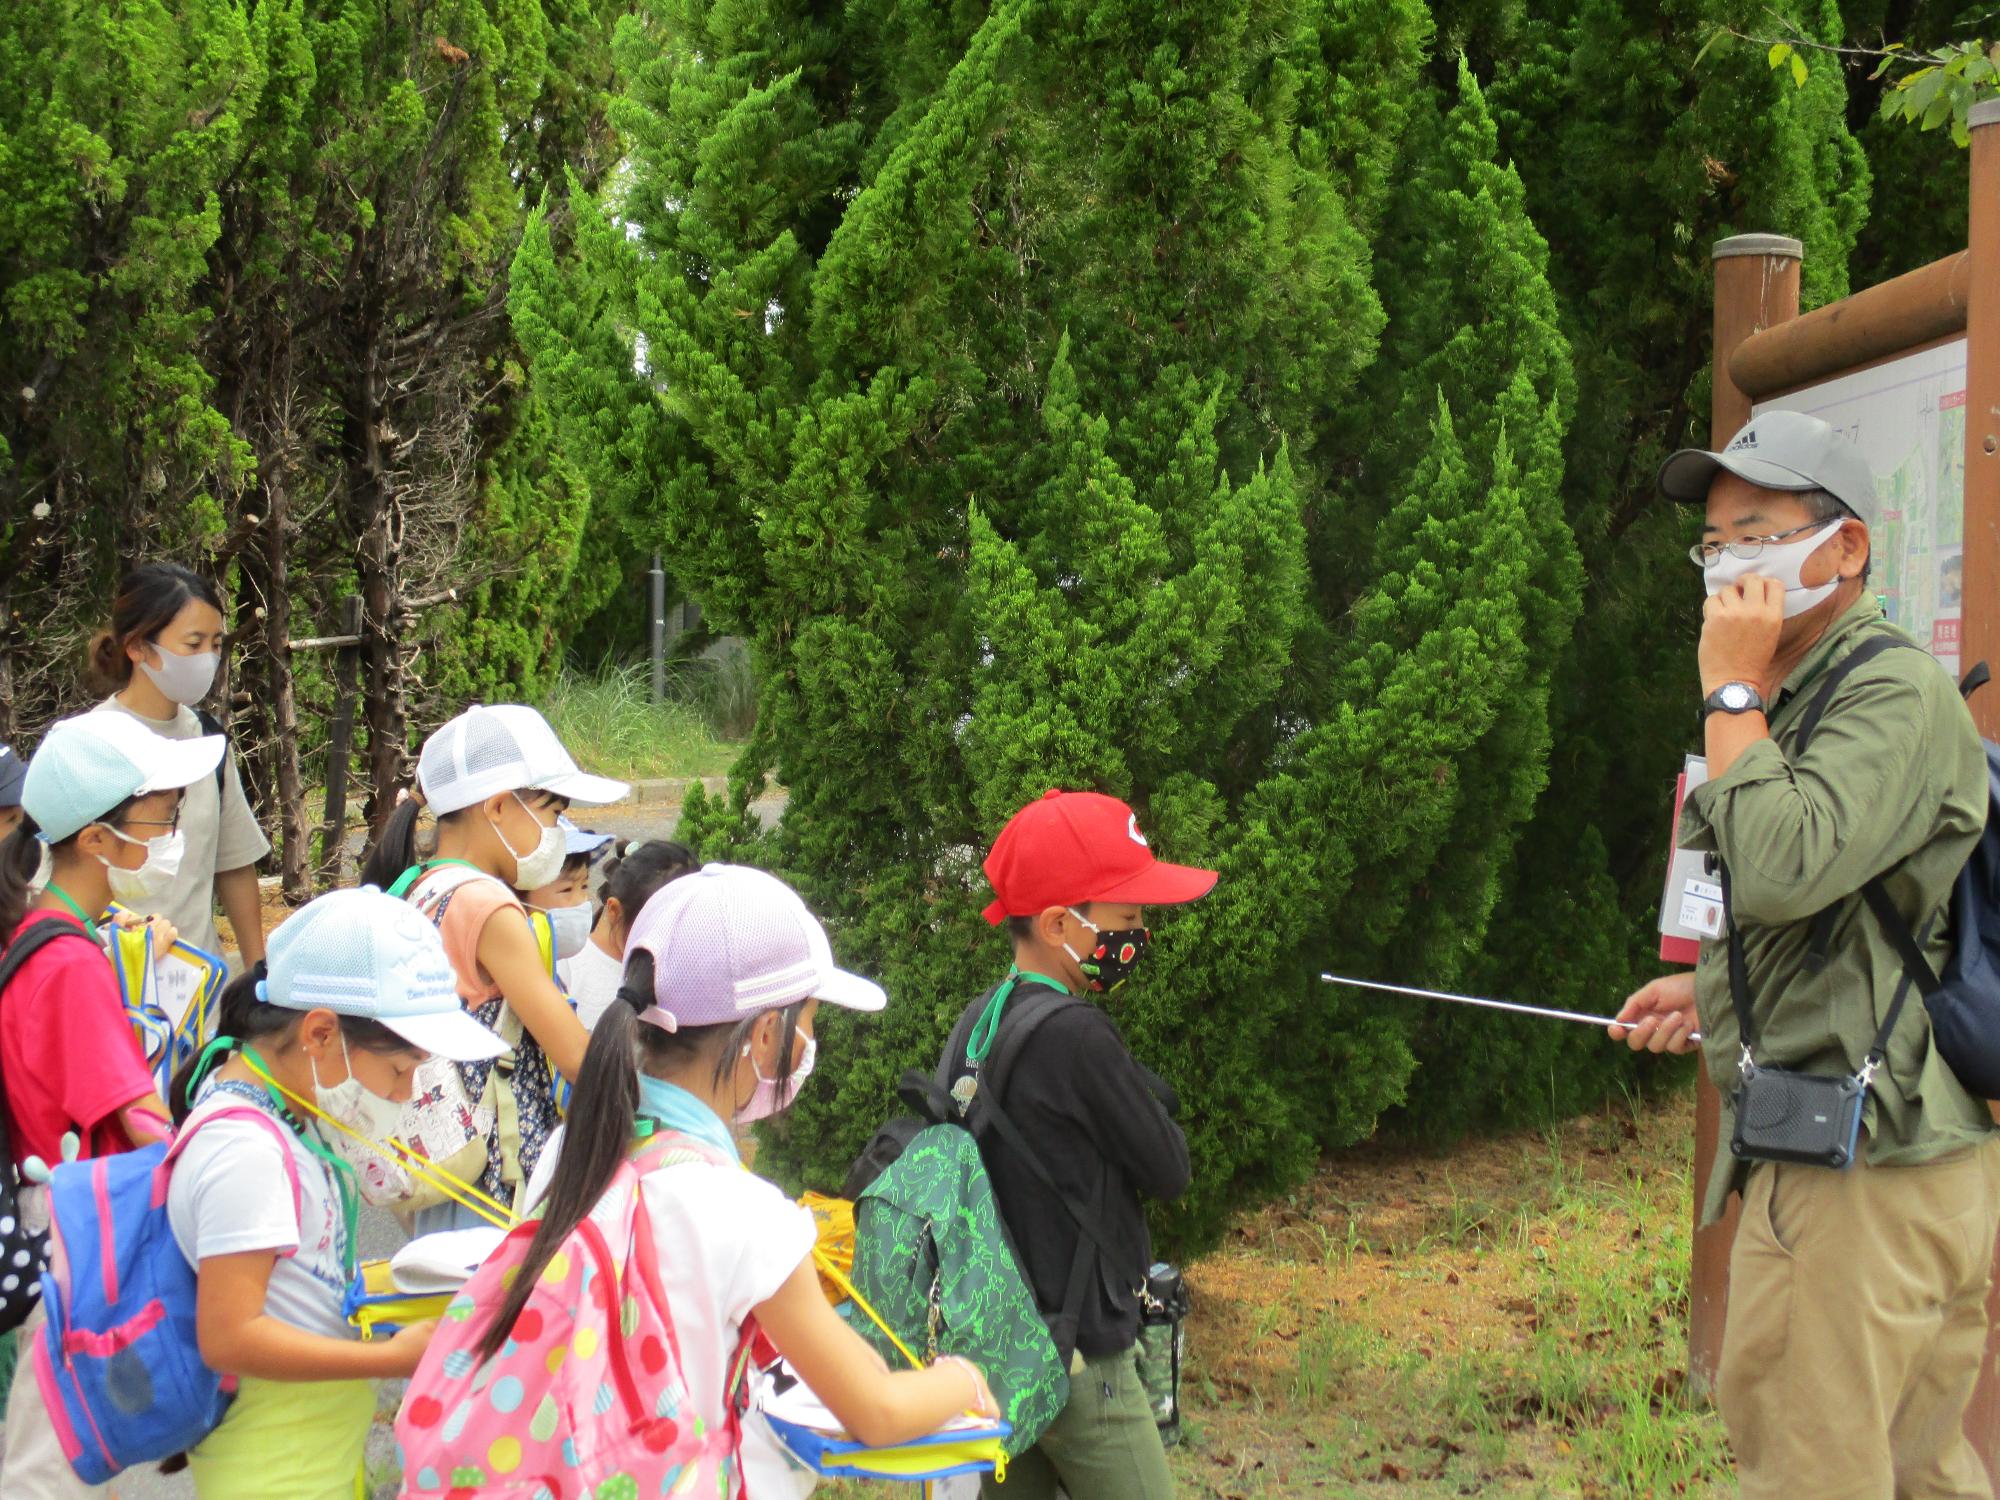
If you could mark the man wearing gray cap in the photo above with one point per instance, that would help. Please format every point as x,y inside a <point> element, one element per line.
<point>1836,754</point>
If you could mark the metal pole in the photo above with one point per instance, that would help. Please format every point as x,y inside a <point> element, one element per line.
<point>1756,286</point>
<point>658,642</point>
<point>1982,577</point>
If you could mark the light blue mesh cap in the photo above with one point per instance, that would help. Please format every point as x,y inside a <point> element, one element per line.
<point>87,765</point>
<point>361,953</point>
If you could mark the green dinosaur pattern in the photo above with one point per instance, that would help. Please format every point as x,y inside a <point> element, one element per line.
<point>931,1258</point>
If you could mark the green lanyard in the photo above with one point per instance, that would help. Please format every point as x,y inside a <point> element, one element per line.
<point>343,1174</point>
<point>987,1027</point>
<point>70,901</point>
<point>415,873</point>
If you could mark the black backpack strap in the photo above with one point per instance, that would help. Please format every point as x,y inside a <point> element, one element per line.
<point>1973,681</point>
<point>37,937</point>
<point>1908,946</point>
<point>212,725</point>
<point>1820,940</point>
<point>1859,657</point>
<point>1024,1014</point>
<point>25,946</point>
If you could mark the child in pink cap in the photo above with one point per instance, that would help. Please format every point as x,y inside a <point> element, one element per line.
<point>724,971</point>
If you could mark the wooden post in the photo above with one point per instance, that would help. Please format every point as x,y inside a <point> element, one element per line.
<point>1981,641</point>
<point>1982,412</point>
<point>1756,286</point>
<point>346,687</point>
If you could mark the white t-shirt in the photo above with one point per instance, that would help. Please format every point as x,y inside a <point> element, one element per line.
<point>592,978</point>
<point>229,1193</point>
<point>727,1240</point>
<point>222,834</point>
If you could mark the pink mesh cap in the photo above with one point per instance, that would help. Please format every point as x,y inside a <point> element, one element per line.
<point>730,941</point>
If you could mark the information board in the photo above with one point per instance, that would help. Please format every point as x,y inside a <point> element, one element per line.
<point>1908,417</point>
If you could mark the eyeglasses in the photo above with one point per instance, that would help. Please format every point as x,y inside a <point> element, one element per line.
<point>1746,548</point>
<point>172,825</point>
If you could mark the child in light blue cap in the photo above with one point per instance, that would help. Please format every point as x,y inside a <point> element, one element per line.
<point>357,993</point>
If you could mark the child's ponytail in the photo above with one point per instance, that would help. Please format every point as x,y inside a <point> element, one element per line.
<point>240,1015</point>
<point>395,850</point>
<point>596,1138</point>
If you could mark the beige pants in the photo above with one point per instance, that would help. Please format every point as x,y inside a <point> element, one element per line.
<point>32,1467</point>
<point>1857,1314</point>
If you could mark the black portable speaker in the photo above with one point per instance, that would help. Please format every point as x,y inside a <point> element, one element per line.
<point>1785,1116</point>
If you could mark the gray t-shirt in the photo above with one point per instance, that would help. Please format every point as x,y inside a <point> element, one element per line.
<point>222,834</point>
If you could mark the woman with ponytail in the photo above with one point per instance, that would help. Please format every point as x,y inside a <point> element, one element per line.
<point>325,1042</point>
<point>497,780</point>
<point>158,662</point>
<point>724,974</point>
<point>99,804</point>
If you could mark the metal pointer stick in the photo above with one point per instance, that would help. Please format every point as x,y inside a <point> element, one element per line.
<point>1524,1010</point>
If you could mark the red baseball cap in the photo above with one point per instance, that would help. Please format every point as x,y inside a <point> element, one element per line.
<point>1072,848</point>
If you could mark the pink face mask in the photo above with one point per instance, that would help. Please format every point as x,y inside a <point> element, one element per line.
<point>772,1096</point>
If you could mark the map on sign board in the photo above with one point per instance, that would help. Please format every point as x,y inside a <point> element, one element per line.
<point>1908,416</point>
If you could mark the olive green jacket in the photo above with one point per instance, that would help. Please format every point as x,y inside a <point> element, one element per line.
<point>1893,783</point>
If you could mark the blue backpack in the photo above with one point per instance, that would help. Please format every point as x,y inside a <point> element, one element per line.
<point>118,1361</point>
<point>1964,1001</point>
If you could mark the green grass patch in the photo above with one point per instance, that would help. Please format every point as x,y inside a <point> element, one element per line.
<point>1506,1319</point>
<point>611,724</point>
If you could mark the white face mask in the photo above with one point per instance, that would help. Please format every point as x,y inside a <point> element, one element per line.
<point>355,1105</point>
<point>154,878</point>
<point>183,679</point>
<point>571,926</point>
<point>1782,562</point>
<point>544,862</point>
<point>771,1096</point>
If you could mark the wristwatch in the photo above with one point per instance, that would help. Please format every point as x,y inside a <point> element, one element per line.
<point>1733,698</point>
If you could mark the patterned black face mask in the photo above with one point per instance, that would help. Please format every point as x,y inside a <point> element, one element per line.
<point>1116,955</point>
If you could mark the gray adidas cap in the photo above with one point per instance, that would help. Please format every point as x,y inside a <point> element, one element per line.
<point>1780,450</point>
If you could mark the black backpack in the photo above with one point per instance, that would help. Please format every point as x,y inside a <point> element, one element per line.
<point>22,1255</point>
<point>1964,1001</point>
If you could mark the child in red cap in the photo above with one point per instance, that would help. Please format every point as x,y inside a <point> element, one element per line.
<point>1091,1127</point>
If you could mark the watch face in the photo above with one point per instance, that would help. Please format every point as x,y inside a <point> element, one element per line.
<point>1735,696</point>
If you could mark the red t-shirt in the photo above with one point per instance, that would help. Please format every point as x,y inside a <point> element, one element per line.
<point>68,1057</point>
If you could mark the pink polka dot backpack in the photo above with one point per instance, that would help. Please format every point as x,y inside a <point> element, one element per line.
<point>587,1399</point>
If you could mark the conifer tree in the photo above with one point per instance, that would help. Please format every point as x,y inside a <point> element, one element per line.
<point>993,406</point>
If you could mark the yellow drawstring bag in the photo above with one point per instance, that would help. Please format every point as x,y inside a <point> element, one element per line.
<point>833,1218</point>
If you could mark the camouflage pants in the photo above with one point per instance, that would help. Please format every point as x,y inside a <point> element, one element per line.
<point>1104,1446</point>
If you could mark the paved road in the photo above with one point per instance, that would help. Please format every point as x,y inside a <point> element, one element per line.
<point>380,1234</point>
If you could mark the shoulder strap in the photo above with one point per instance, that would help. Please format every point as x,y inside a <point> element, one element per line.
<point>1820,940</point>
<point>1908,946</point>
<point>37,937</point>
<point>212,725</point>
<point>191,1128</point>
<point>24,947</point>
<point>987,1113</point>
<point>1859,657</point>
<point>675,1148</point>
<point>1023,1018</point>
<point>417,874</point>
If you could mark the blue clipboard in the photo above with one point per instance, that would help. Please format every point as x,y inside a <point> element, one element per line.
<point>199,975</point>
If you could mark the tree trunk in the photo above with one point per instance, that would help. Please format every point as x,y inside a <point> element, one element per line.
<point>294,863</point>
<point>373,512</point>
